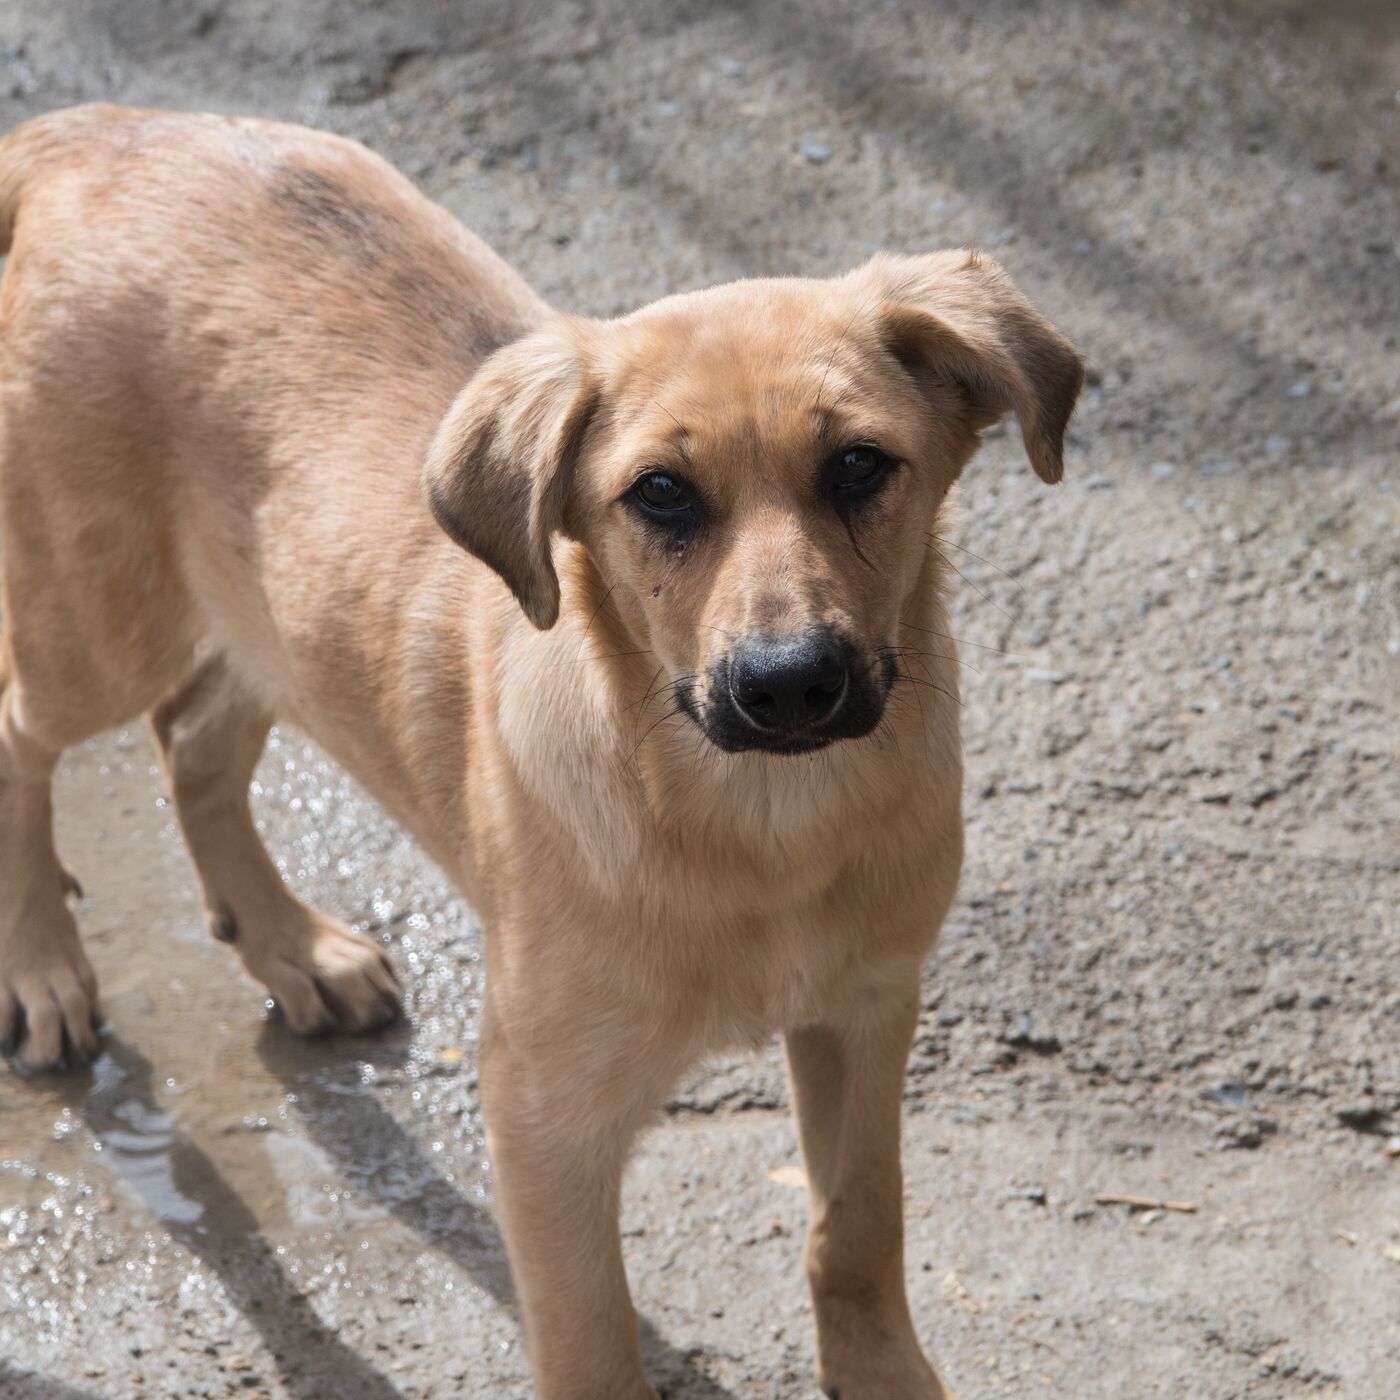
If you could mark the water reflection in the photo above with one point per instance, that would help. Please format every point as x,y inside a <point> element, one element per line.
<point>180,1183</point>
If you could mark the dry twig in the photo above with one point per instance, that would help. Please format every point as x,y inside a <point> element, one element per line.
<point>1105,1198</point>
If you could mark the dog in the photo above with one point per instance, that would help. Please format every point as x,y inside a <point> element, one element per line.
<point>635,624</point>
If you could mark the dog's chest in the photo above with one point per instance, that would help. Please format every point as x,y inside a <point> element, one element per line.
<point>790,971</point>
<point>739,962</point>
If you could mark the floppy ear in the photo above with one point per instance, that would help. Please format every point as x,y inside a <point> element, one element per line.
<point>498,470</point>
<point>958,317</point>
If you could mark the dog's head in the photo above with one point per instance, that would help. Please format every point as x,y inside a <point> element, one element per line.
<point>754,471</point>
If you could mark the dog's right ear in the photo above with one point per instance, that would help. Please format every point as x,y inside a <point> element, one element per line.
<point>499,468</point>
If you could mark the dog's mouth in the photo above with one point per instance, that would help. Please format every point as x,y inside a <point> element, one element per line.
<point>789,696</point>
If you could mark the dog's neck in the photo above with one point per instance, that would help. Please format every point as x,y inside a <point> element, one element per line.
<point>629,779</point>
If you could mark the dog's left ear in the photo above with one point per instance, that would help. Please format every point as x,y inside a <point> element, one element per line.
<point>958,317</point>
<point>498,471</point>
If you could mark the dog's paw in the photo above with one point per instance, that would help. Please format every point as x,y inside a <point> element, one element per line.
<point>882,1375</point>
<point>323,976</point>
<point>48,996</point>
<point>912,1388</point>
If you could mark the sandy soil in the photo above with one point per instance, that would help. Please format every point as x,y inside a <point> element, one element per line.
<point>1173,969</point>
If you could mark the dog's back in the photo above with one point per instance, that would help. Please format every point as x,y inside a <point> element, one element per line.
<point>207,322</point>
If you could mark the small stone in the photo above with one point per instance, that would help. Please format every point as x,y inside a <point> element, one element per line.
<point>1245,1134</point>
<point>1024,1037</point>
<point>814,151</point>
<point>1361,1117</point>
<point>1230,1095</point>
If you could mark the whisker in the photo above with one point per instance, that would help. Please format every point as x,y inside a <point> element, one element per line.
<point>593,617</point>
<point>937,656</point>
<point>961,641</point>
<point>835,347</point>
<point>645,698</point>
<point>923,719</point>
<point>942,690</point>
<point>1010,578</point>
<point>614,655</point>
<point>986,597</point>
<point>670,714</point>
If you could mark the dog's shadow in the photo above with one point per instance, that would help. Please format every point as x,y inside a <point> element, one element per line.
<point>179,1183</point>
<point>183,1186</point>
<point>404,1179</point>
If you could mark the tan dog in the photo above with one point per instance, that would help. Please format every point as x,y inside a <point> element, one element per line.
<point>696,762</point>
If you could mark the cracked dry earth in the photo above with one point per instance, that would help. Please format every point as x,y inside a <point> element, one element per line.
<point>1172,969</point>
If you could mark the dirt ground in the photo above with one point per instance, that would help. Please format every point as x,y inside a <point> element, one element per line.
<point>1173,968</point>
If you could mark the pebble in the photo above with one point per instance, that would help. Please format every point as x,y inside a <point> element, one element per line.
<point>816,152</point>
<point>1231,1095</point>
<point>1363,1117</point>
<point>1245,1134</point>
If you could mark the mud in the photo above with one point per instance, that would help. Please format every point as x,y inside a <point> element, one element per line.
<point>1173,968</point>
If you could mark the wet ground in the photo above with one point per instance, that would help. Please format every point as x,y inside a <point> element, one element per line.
<point>1174,968</point>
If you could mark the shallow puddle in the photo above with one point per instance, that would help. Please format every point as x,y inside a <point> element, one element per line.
<point>204,1126</point>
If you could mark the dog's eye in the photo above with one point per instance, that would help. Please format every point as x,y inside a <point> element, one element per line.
<point>858,471</point>
<point>659,493</point>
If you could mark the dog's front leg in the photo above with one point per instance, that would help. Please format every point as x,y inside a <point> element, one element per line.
<point>561,1112</point>
<point>847,1076</point>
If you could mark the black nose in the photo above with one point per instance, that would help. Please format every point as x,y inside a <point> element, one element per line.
<point>789,685</point>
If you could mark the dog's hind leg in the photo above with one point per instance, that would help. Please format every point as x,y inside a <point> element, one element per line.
<point>48,992</point>
<point>322,974</point>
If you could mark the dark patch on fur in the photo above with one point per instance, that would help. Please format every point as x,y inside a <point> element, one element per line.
<point>325,209</point>
<point>398,268</point>
<point>225,927</point>
<point>15,1039</point>
<point>491,520</point>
